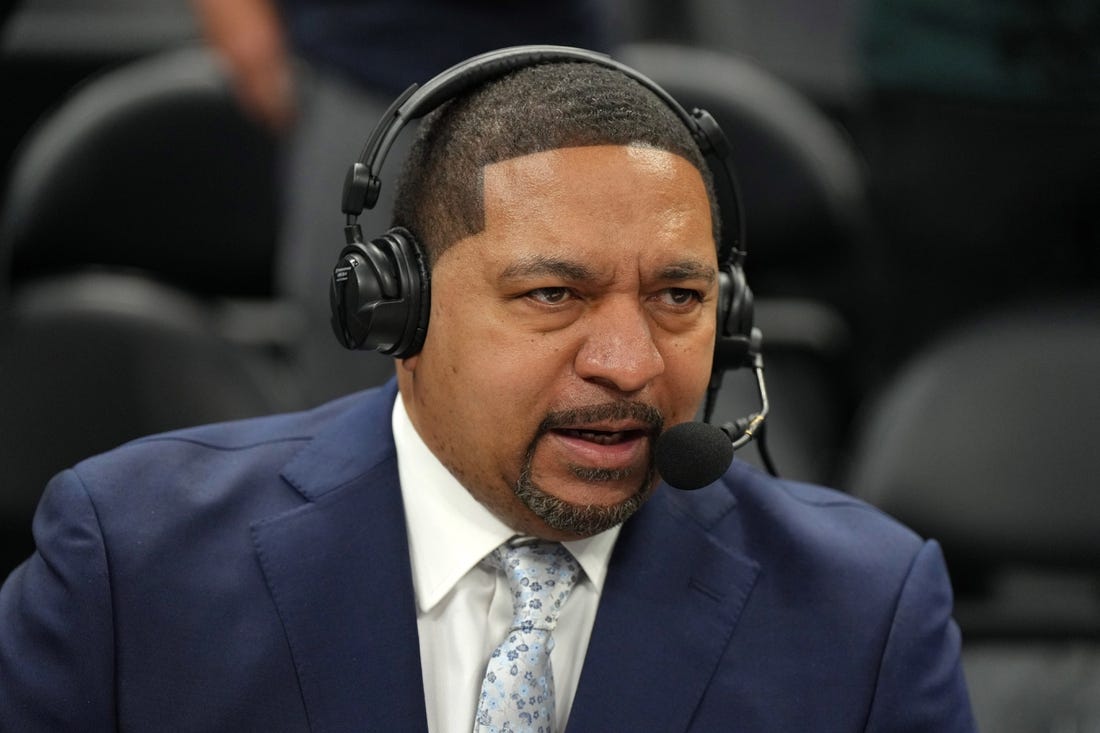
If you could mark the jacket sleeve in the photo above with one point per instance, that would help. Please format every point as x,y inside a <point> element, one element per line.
<point>56,630</point>
<point>921,687</point>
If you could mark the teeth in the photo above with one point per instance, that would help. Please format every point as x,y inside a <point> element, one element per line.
<point>596,437</point>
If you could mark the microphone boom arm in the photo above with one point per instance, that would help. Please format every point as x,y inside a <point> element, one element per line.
<point>745,429</point>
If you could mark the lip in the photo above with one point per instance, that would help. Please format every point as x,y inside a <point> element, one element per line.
<point>625,453</point>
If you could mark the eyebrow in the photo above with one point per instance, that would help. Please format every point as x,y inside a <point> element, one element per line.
<point>689,270</point>
<point>542,265</point>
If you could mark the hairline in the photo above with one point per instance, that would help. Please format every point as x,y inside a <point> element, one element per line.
<point>650,122</point>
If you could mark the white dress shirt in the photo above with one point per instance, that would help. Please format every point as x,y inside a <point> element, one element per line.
<point>463,608</point>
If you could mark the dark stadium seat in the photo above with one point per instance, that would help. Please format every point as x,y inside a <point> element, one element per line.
<point>91,360</point>
<point>137,236</point>
<point>987,441</point>
<point>149,166</point>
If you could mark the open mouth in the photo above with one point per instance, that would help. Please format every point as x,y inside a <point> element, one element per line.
<point>615,436</point>
<point>604,448</point>
<point>602,437</point>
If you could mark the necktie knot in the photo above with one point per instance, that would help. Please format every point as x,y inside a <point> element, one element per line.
<point>541,576</point>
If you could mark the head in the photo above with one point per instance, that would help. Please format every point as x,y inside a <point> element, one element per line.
<point>570,227</point>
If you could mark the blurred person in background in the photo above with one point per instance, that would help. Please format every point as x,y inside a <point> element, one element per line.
<point>316,72</point>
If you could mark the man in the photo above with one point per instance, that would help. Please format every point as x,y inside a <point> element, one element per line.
<point>338,569</point>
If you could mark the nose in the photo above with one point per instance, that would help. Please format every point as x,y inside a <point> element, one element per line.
<point>618,350</point>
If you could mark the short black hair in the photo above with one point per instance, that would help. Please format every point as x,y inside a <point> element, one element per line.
<point>530,110</point>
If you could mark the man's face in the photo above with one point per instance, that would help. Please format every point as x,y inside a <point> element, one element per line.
<point>564,333</point>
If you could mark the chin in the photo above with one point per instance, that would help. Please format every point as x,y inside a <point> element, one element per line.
<point>580,516</point>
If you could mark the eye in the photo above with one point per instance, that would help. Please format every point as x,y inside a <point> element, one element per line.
<point>550,296</point>
<point>681,296</point>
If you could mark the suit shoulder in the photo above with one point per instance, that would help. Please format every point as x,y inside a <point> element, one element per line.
<point>234,447</point>
<point>823,524</point>
<point>228,474</point>
<point>801,501</point>
<point>245,433</point>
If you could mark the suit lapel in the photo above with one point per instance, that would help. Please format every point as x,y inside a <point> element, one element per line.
<point>337,567</point>
<point>667,612</point>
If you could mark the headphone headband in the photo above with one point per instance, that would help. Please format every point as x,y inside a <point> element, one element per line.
<point>363,183</point>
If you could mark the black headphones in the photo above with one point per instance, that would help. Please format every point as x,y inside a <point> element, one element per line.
<point>380,294</point>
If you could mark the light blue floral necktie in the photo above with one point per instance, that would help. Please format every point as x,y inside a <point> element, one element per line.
<point>518,691</point>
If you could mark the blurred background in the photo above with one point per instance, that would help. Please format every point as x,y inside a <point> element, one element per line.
<point>921,184</point>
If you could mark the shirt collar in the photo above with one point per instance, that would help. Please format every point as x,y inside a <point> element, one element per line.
<point>450,531</point>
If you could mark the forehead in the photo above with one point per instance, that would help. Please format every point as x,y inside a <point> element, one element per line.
<point>604,199</point>
<point>552,174</point>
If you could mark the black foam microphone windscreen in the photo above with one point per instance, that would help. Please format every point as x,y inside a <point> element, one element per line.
<point>692,454</point>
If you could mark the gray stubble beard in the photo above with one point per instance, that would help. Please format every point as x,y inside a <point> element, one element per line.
<point>586,520</point>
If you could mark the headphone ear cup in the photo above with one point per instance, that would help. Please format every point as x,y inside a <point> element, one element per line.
<point>380,296</point>
<point>740,319</point>
<point>734,339</point>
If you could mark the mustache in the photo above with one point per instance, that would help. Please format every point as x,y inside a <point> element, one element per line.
<point>619,410</point>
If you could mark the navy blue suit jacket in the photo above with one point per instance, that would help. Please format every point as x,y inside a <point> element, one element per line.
<point>254,576</point>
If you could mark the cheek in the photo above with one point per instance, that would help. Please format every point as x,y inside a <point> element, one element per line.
<point>687,373</point>
<point>500,395</point>
<point>500,381</point>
